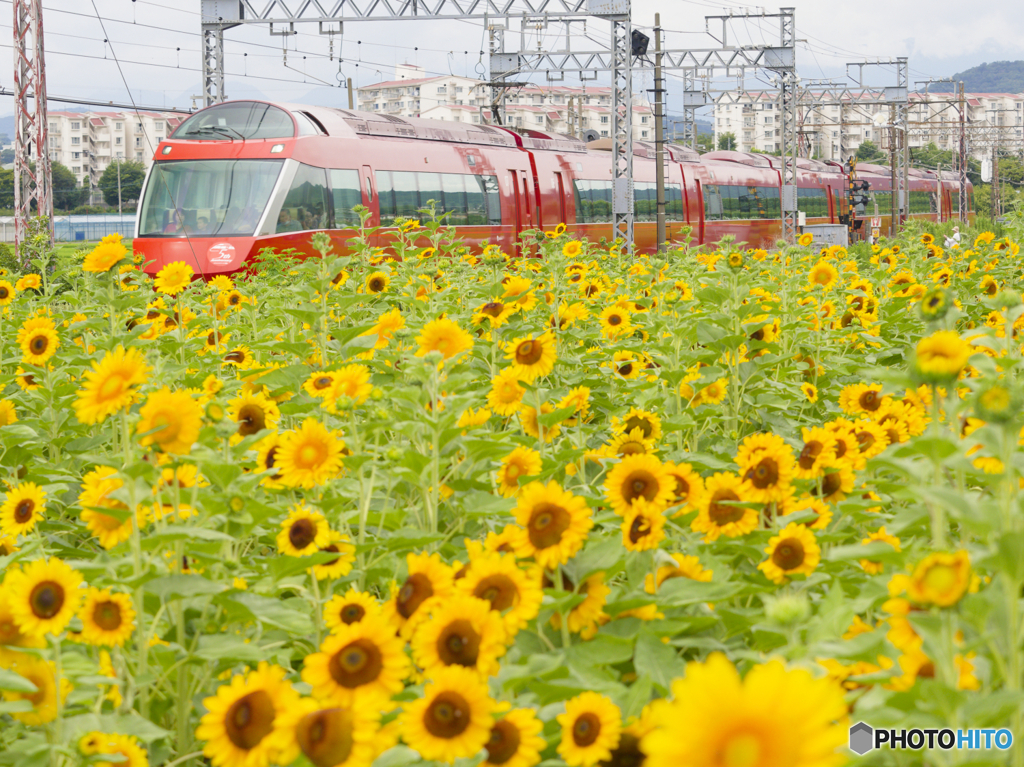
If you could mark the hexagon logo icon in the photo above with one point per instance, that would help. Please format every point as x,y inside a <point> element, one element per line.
<point>862,738</point>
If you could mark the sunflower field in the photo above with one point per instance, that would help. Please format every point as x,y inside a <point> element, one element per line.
<point>418,506</point>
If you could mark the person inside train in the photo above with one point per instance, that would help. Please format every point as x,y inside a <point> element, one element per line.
<point>285,223</point>
<point>203,225</point>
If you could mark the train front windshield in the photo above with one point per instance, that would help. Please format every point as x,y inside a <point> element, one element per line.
<point>212,198</point>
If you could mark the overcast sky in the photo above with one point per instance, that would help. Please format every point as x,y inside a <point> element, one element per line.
<point>158,43</point>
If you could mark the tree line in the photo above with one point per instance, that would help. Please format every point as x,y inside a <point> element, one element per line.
<point>68,194</point>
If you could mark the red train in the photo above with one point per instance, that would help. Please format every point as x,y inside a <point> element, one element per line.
<point>241,176</point>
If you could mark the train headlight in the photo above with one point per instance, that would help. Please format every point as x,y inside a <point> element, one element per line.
<point>277,148</point>
<point>167,150</point>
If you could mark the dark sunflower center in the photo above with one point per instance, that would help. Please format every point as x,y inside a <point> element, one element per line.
<point>614,320</point>
<point>758,335</point>
<point>846,320</point>
<point>720,511</point>
<point>789,554</point>
<point>459,644</point>
<point>870,400</point>
<point>627,754</point>
<point>302,533</point>
<point>357,663</point>
<point>682,489</point>
<point>840,448</point>
<point>503,743</point>
<point>529,352</point>
<point>934,301</point>
<point>326,736</point>
<point>764,474</point>
<point>39,344</point>
<point>865,439</point>
<point>4,292</point>
<point>250,719</point>
<point>447,716</point>
<point>23,511</point>
<point>497,589</point>
<point>636,422</point>
<point>546,525</point>
<point>107,615</point>
<point>322,382</point>
<point>268,462</point>
<point>832,483</point>
<point>46,599</point>
<point>234,299</point>
<point>414,592</point>
<point>640,528</point>
<point>626,370</point>
<point>640,484</point>
<point>352,614</point>
<point>237,357</point>
<point>251,420</point>
<point>376,285</point>
<point>810,454</point>
<point>586,729</point>
<point>493,309</point>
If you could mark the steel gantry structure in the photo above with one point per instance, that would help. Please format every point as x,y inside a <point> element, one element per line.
<point>32,180</point>
<point>219,15</point>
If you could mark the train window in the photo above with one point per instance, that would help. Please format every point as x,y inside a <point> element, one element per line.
<point>673,202</point>
<point>466,199</point>
<point>732,202</point>
<point>238,120</point>
<point>345,196</point>
<point>813,202</point>
<point>305,205</point>
<point>713,208</point>
<point>645,201</point>
<point>369,190</point>
<point>207,197</point>
<point>594,201</point>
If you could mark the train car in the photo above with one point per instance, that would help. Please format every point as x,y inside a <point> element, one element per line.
<point>242,176</point>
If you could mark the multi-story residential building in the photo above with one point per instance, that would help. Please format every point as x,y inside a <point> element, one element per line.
<point>87,142</point>
<point>462,99</point>
<point>833,131</point>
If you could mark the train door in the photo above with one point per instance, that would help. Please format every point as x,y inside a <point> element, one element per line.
<point>560,189</point>
<point>519,203</point>
<point>370,199</point>
<point>699,193</point>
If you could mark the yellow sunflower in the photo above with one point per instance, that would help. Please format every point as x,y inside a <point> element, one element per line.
<point>377,282</point>
<point>359,664</point>
<point>266,460</point>
<point>253,411</point>
<point>512,592</point>
<point>712,394</point>
<point>125,746</point>
<point>572,249</point>
<point>319,384</point>
<point>719,513</point>
<point>591,728</point>
<point>872,438</point>
<point>531,423</point>
<point>643,527</point>
<point>7,292</point>
<point>553,523</point>
<point>823,275</point>
<point>171,420</point>
<point>941,356</point>
<point>43,675</point>
<point>103,257</point>
<point>246,721</point>
<point>44,596</point>
<point>461,631</point>
<point>443,336</point>
<point>352,607</point>
<point>111,385</point>
<point>111,530</point>
<point>793,551</point>
<point>682,566</point>
<point>638,477</point>
<point>12,637</point>
<point>688,488</point>
<point>8,414</point>
<point>351,381</point>
<point>506,395</point>
<point>453,719</point>
<point>817,453</point>
<point>873,567</point>
<point>616,322</point>
<point>29,282</point>
<point>863,398</point>
<point>341,565</point>
<point>24,506</point>
<point>767,466</point>
<point>515,740</point>
<point>521,463</point>
<point>774,716</point>
<point>309,456</point>
<point>532,358</point>
<point>584,617</point>
<point>648,423</point>
<point>38,340</point>
<point>303,532</point>
<point>173,278</point>
<point>429,578</point>
<point>631,443</point>
<point>941,579</point>
<point>495,313</point>
<point>836,483</point>
<point>805,239</point>
<point>240,357</point>
<point>108,618</point>
<point>335,736</point>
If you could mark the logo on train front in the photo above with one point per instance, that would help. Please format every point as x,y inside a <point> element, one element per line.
<point>221,253</point>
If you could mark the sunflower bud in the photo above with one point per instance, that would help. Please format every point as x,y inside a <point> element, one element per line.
<point>788,609</point>
<point>996,403</point>
<point>934,305</point>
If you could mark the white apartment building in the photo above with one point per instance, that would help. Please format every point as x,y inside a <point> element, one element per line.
<point>87,142</point>
<point>834,132</point>
<point>463,99</point>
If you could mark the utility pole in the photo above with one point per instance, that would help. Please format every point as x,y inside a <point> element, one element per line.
<point>118,187</point>
<point>995,181</point>
<point>896,221</point>
<point>351,97</point>
<point>963,158</point>
<point>32,180</point>
<point>659,132</point>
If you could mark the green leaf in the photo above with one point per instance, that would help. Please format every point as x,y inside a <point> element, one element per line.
<point>638,696</point>
<point>15,683</point>
<point>657,660</point>
<point>683,591</point>
<point>179,585</point>
<point>15,706</point>
<point>602,650</point>
<point>273,612</point>
<point>231,647</point>
<point>556,416</point>
<point>1010,555</point>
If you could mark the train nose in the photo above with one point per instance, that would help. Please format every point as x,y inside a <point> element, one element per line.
<point>207,256</point>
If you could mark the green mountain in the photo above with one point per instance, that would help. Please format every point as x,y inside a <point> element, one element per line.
<point>997,77</point>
